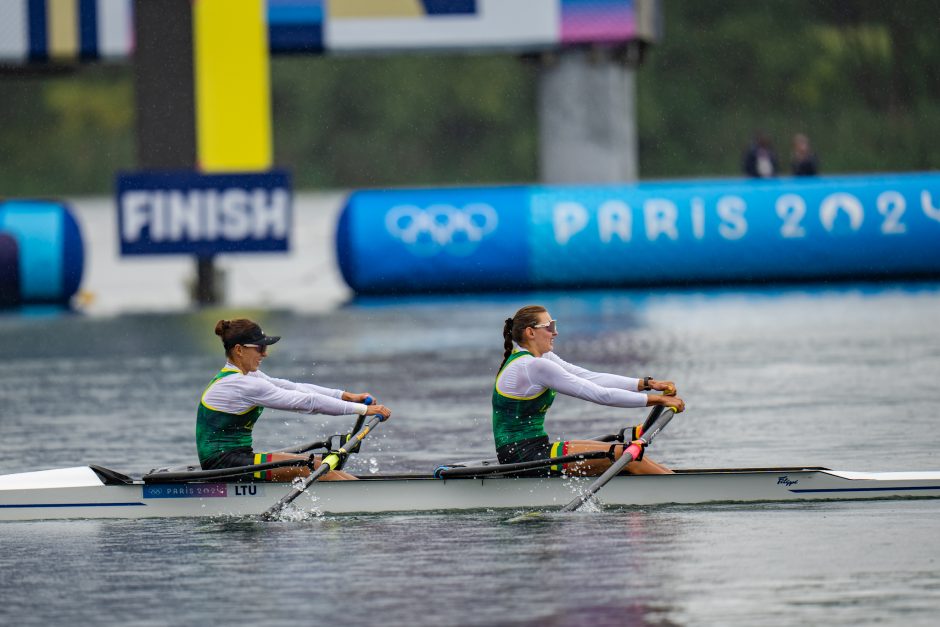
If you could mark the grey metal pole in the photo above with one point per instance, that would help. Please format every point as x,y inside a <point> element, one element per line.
<point>587,117</point>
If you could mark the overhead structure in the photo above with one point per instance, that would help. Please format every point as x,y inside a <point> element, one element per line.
<point>588,51</point>
<point>203,91</point>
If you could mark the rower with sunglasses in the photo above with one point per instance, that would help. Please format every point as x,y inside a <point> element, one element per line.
<point>525,388</point>
<point>235,398</point>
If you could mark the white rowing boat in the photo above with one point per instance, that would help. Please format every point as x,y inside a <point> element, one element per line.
<point>94,492</point>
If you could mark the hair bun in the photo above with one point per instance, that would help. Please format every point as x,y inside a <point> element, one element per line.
<point>222,326</point>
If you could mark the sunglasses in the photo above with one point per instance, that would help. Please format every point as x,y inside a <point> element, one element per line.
<point>261,348</point>
<point>551,325</point>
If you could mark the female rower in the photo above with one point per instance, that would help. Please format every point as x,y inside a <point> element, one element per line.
<point>235,398</point>
<point>525,387</point>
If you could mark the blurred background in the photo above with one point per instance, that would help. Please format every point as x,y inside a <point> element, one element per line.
<point>440,94</point>
<point>859,78</point>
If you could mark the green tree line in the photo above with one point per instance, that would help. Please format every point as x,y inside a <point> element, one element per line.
<point>861,78</point>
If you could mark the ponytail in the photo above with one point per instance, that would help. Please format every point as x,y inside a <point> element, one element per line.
<point>507,341</point>
<point>514,327</point>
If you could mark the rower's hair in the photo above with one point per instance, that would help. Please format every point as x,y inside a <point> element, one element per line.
<point>514,327</point>
<point>228,329</point>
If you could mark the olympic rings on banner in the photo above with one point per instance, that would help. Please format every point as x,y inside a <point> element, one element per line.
<point>441,228</point>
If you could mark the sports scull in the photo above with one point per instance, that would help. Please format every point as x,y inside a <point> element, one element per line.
<point>95,492</point>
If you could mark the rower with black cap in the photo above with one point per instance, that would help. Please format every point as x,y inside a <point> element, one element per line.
<point>235,398</point>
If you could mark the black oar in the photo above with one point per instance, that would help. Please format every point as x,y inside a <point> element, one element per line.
<point>328,463</point>
<point>630,453</point>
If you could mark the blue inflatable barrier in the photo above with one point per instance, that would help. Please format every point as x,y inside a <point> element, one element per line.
<point>49,257</point>
<point>530,237</point>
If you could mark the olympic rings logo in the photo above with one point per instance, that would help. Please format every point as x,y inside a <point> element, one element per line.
<point>440,228</point>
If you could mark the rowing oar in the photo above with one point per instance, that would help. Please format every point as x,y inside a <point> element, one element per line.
<point>653,425</point>
<point>630,454</point>
<point>328,463</point>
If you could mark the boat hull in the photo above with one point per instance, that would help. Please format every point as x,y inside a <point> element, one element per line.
<point>46,497</point>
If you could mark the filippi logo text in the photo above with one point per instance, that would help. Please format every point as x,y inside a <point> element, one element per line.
<point>441,228</point>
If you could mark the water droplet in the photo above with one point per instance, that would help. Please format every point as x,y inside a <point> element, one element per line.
<point>297,483</point>
<point>373,465</point>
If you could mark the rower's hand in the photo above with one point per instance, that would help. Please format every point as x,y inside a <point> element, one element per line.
<point>356,397</point>
<point>673,402</point>
<point>379,410</point>
<point>666,387</point>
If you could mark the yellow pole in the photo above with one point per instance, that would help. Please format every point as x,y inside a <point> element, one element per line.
<point>62,26</point>
<point>233,90</point>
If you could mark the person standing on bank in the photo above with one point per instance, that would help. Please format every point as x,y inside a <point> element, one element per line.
<point>804,161</point>
<point>235,398</point>
<point>760,159</point>
<point>525,388</point>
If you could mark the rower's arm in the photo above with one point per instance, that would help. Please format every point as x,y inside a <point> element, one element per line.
<point>298,387</point>
<point>547,373</point>
<point>604,379</point>
<point>266,394</point>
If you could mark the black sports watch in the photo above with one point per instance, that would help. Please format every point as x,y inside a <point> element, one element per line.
<point>646,383</point>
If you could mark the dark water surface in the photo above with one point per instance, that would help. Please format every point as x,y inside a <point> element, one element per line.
<point>845,377</point>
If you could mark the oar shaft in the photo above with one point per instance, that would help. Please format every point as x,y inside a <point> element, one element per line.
<point>652,418</point>
<point>327,464</point>
<point>630,453</point>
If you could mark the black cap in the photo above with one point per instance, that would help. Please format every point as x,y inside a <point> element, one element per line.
<point>253,335</point>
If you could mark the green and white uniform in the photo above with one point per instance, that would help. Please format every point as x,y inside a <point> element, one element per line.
<point>526,386</point>
<point>517,418</point>
<point>233,402</point>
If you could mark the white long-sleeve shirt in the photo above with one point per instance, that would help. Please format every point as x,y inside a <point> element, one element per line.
<point>239,392</point>
<point>529,376</point>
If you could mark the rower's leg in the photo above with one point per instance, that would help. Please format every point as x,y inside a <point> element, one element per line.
<point>647,466</point>
<point>333,475</point>
<point>591,467</point>
<point>291,472</point>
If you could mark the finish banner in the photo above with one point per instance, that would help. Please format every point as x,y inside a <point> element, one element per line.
<point>818,228</point>
<point>203,214</point>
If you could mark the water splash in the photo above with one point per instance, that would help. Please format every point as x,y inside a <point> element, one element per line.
<point>292,513</point>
